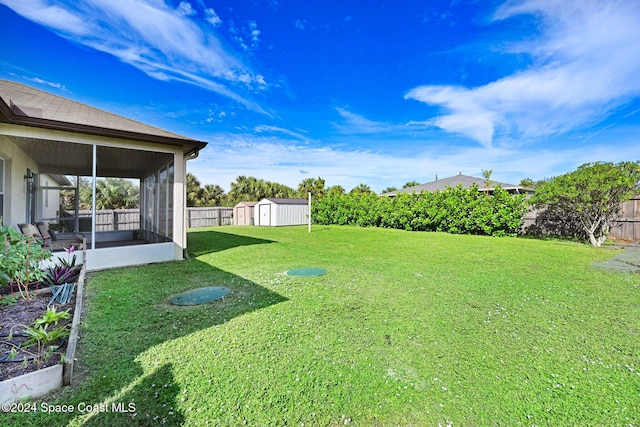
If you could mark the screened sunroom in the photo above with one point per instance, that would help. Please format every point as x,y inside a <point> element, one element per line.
<point>60,173</point>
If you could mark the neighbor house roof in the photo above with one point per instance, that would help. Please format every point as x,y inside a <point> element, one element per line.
<point>465,180</point>
<point>28,106</point>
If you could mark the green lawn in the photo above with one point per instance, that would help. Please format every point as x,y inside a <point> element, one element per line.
<point>404,329</point>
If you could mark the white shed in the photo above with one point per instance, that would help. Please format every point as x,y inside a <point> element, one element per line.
<point>243,213</point>
<point>277,212</point>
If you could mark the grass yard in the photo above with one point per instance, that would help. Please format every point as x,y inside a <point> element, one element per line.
<point>405,329</point>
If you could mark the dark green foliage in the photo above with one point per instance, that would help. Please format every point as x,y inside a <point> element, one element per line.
<point>456,210</point>
<point>590,197</point>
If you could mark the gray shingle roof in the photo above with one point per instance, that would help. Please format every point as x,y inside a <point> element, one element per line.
<point>33,107</point>
<point>288,201</point>
<point>465,180</point>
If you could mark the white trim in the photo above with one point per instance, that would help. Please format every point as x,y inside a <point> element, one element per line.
<point>122,256</point>
<point>2,176</point>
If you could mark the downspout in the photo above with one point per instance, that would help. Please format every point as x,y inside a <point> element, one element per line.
<point>193,154</point>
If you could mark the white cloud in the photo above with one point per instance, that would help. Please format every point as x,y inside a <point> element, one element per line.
<point>50,15</point>
<point>358,124</point>
<point>166,44</point>
<point>278,130</point>
<point>281,160</point>
<point>185,9</point>
<point>212,17</point>
<point>585,64</point>
<point>301,24</point>
<point>48,83</point>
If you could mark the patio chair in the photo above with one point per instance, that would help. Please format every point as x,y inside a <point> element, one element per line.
<point>46,240</point>
<point>30,230</point>
<point>64,239</point>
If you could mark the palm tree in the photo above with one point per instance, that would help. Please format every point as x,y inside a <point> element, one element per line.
<point>314,186</point>
<point>486,174</point>
<point>410,184</point>
<point>242,188</point>
<point>117,193</point>
<point>361,189</point>
<point>212,195</point>
<point>336,189</point>
<point>194,191</point>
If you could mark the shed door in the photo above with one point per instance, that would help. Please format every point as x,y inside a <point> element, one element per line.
<point>265,214</point>
<point>241,220</point>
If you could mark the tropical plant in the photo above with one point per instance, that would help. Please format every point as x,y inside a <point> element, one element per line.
<point>409,184</point>
<point>315,186</point>
<point>486,174</point>
<point>245,189</point>
<point>41,335</point>
<point>336,189</point>
<point>20,260</point>
<point>361,189</point>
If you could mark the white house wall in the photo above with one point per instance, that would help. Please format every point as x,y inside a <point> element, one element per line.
<point>16,163</point>
<point>49,202</point>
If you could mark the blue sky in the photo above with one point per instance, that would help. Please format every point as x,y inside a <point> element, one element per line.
<point>373,92</point>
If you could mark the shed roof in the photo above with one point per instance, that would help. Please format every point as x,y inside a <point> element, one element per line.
<point>246,204</point>
<point>25,105</point>
<point>286,201</point>
<point>465,180</point>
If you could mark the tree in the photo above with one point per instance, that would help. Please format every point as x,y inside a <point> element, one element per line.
<point>245,189</point>
<point>315,186</point>
<point>207,196</point>
<point>486,174</point>
<point>117,193</point>
<point>212,195</point>
<point>593,193</point>
<point>361,189</point>
<point>194,191</point>
<point>390,189</point>
<point>336,189</point>
<point>528,183</point>
<point>410,184</point>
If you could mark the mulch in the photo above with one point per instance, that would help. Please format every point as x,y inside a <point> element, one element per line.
<point>13,318</point>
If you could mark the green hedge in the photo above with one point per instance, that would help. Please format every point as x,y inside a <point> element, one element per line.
<point>455,210</point>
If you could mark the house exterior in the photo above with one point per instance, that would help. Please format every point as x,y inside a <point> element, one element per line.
<point>465,180</point>
<point>45,138</point>
<point>244,213</point>
<point>280,212</point>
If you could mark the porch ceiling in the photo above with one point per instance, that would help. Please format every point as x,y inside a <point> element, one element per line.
<point>65,158</point>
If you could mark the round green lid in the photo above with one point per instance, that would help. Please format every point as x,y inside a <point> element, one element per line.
<point>306,272</point>
<point>200,296</point>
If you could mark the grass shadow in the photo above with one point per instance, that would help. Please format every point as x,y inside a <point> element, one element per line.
<point>127,314</point>
<point>206,242</point>
<point>128,409</point>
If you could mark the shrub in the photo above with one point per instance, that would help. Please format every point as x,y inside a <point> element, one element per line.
<point>455,210</point>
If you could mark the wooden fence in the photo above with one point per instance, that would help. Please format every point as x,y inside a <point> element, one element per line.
<point>206,217</point>
<point>129,219</point>
<point>626,228</point>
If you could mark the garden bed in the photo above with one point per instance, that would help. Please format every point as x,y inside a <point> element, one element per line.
<point>34,378</point>
<point>14,318</point>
